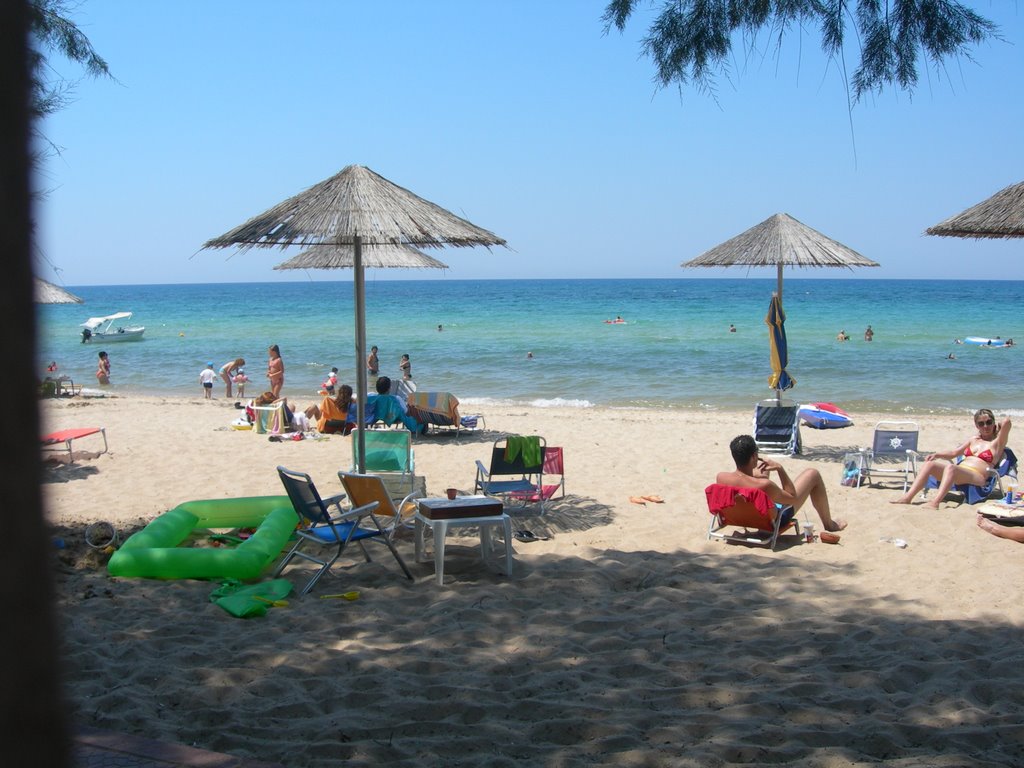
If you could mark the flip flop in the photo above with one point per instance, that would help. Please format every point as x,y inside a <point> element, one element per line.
<point>655,499</point>
<point>525,535</point>
<point>638,500</point>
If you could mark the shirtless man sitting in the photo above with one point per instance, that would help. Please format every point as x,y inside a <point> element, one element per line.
<point>754,472</point>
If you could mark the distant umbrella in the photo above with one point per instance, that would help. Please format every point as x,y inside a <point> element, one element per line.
<point>48,293</point>
<point>378,256</point>
<point>780,241</point>
<point>1001,215</point>
<point>358,209</point>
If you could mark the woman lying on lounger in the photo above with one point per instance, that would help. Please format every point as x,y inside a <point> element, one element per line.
<point>980,452</point>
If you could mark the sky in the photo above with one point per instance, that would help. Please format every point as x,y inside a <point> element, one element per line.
<point>523,117</point>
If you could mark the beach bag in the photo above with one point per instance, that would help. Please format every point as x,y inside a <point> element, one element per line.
<point>853,470</point>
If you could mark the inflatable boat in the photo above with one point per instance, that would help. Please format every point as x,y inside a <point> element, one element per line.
<point>980,341</point>
<point>818,417</point>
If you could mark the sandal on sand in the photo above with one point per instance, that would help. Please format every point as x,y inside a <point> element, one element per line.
<point>655,499</point>
<point>638,500</point>
<point>525,535</point>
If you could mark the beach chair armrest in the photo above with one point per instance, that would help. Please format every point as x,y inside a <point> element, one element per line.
<point>356,513</point>
<point>334,501</point>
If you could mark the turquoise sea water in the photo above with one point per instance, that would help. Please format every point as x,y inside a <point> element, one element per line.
<point>674,350</point>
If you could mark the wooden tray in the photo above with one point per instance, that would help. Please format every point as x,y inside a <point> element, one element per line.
<point>461,506</point>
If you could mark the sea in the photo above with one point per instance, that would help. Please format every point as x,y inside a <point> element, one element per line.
<point>548,343</point>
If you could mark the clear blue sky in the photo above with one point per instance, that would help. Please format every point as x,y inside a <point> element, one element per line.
<point>524,118</point>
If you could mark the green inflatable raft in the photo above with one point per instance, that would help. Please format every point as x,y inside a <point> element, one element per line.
<point>154,553</point>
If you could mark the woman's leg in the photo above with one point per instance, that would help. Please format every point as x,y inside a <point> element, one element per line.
<point>954,475</point>
<point>227,382</point>
<point>1002,531</point>
<point>933,468</point>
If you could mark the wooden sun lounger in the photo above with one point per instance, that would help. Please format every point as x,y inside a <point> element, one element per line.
<point>66,436</point>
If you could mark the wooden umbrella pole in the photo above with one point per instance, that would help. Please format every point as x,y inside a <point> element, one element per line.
<point>779,280</point>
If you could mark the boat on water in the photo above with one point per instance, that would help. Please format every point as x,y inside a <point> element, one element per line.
<point>111,328</point>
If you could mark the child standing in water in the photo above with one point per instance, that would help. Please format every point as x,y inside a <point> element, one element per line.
<point>240,379</point>
<point>206,377</point>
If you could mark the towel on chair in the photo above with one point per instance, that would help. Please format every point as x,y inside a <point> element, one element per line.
<point>723,496</point>
<point>529,447</point>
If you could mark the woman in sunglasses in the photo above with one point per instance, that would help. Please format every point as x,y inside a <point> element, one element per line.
<point>980,453</point>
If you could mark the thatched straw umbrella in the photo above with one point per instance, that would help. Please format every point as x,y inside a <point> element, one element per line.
<point>48,293</point>
<point>1001,215</point>
<point>780,241</point>
<point>359,209</point>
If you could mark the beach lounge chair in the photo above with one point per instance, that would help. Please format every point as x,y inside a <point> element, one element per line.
<point>516,470</point>
<point>553,474</point>
<point>441,411</point>
<point>893,453</point>
<point>750,509</point>
<point>389,455</point>
<point>976,494</point>
<point>777,426</point>
<point>65,437</point>
<point>320,528</point>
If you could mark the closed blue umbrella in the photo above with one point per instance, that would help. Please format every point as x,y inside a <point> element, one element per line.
<point>776,321</point>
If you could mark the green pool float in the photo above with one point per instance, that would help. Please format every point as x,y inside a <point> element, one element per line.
<point>154,552</point>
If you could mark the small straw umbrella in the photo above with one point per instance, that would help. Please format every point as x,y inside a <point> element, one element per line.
<point>1000,216</point>
<point>778,241</point>
<point>380,256</point>
<point>48,293</point>
<point>356,208</point>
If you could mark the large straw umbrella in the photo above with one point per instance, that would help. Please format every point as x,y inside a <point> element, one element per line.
<point>781,241</point>
<point>48,293</point>
<point>778,241</point>
<point>356,208</point>
<point>1001,215</point>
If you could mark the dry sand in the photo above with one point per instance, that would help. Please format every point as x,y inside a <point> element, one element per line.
<point>626,639</point>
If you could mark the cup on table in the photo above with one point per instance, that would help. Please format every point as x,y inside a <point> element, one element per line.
<point>452,493</point>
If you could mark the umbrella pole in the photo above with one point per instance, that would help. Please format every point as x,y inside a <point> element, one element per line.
<point>360,354</point>
<point>779,281</point>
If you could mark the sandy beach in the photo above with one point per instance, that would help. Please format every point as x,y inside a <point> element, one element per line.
<point>626,638</point>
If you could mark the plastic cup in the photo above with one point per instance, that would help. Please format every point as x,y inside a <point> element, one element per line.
<point>809,533</point>
<point>452,493</point>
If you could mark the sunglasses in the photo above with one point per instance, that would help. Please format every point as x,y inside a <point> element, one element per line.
<point>986,423</point>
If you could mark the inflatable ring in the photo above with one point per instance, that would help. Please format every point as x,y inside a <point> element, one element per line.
<point>154,553</point>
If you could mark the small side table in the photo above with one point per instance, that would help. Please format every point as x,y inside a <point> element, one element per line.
<point>440,514</point>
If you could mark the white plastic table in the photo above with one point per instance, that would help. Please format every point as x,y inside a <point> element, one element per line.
<point>439,529</point>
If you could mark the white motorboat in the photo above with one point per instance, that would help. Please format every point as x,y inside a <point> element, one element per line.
<point>111,328</point>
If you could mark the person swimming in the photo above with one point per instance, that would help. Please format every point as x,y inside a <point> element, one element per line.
<point>981,452</point>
